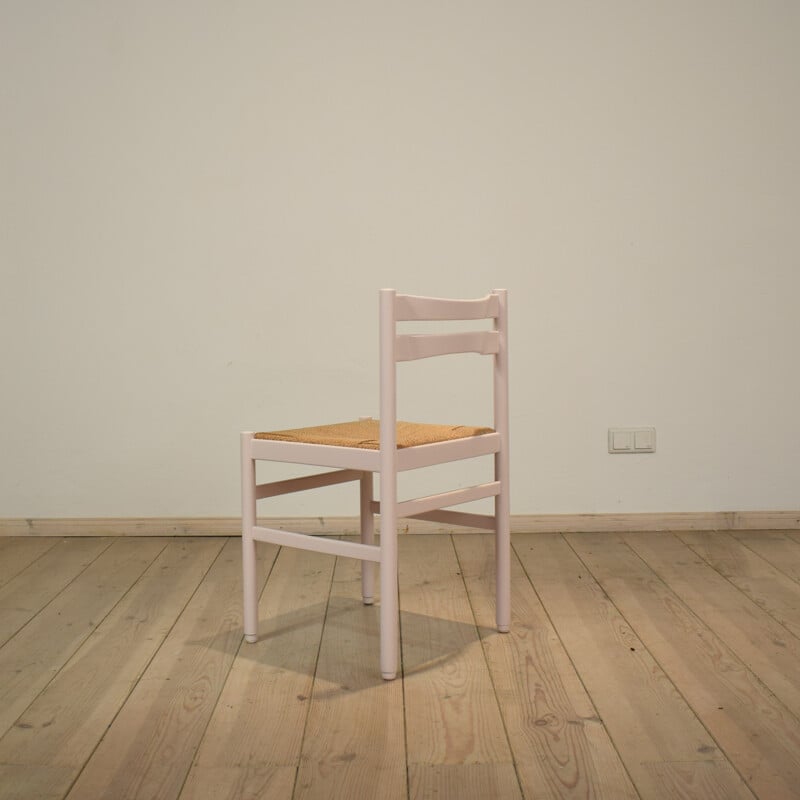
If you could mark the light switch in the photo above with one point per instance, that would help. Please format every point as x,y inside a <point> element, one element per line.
<point>631,440</point>
<point>621,441</point>
<point>644,440</point>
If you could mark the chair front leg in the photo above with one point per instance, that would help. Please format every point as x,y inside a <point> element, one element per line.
<point>503,560</point>
<point>390,622</point>
<point>249,586</point>
<point>367,537</point>
<point>249,571</point>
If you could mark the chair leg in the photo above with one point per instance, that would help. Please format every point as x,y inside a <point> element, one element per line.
<point>249,571</point>
<point>390,628</point>
<point>503,561</point>
<point>367,537</point>
<point>249,585</point>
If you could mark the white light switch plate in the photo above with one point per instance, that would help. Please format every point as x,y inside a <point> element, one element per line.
<point>631,440</point>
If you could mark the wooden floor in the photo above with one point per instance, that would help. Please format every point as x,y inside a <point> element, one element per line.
<point>639,665</point>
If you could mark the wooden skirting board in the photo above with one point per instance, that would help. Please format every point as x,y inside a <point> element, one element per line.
<point>520,523</point>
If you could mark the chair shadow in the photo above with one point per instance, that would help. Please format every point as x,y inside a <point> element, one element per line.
<point>344,655</point>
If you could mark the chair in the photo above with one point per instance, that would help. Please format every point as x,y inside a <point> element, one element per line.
<point>359,449</point>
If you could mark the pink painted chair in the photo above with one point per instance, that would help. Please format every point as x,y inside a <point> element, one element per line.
<point>359,449</point>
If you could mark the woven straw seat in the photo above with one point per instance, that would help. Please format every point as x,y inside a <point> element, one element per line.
<point>364,434</point>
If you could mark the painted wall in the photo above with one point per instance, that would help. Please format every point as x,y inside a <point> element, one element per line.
<point>199,201</point>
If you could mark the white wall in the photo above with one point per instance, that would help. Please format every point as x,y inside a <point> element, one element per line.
<point>200,200</point>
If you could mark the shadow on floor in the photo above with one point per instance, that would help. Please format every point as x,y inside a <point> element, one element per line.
<point>345,652</point>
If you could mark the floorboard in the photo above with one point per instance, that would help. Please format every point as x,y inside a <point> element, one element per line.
<point>254,737</point>
<point>63,725</point>
<point>148,749</point>
<point>777,547</point>
<point>560,746</point>
<point>651,724</point>
<point>757,733</point>
<point>759,641</point>
<point>354,743</point>
<point>33,657</point>
<point>452,713</point>
<point>17,553</point>
<point>25,594</point>
<point>639,665</point>
<point>763,583</point>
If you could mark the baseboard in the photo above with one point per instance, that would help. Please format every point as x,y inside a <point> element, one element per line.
<point>520,523</point>
<point>668,521</point>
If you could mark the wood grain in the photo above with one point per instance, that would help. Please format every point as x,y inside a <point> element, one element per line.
<point>759,736</point>
<point>254,737</point>
<point>147,751</point>
<point>65,722</point>
<point>779,548</point>
<point>452,714</point>
<point>21,783</point>
<point>560,746</point>
<point>33,657</point>
<point>646,716</point>
<point>643,667</point>
<point>760,642</point>
<point>28,592</point>
<point>251,782</point>
<point>766,585</point>
<point>354,744</point>
<point>17,553</point>
<point>465,782</point>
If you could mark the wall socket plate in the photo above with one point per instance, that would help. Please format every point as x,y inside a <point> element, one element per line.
<point>631,440</point>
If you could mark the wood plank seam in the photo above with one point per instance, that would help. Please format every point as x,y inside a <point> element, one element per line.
<point>66,657</point>
<point>550,618</point>
<point>25,564</point>
<point>488,667</point>
<point>577,671</point>
<point>145,665</point>
<point>761,635</point>
<point>230,666</point>
<point>627,622</point>
<point>538,666</point>
<point>760,558</point>
<point>314,678</point>
<point>650,654</point>
<point>624,586</point>
<point>701,625</point>
<point>776,564</point>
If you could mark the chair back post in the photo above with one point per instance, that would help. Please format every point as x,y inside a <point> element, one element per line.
<point>502,467</point>
<point>501,367</point>
<point>388,388</point>
<point>388,484</point>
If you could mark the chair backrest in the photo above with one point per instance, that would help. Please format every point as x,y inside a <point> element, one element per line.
<point>395,347</point>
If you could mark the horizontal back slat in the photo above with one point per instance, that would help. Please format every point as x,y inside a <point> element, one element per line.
<point>411,307</point>
<point>411,346</point>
